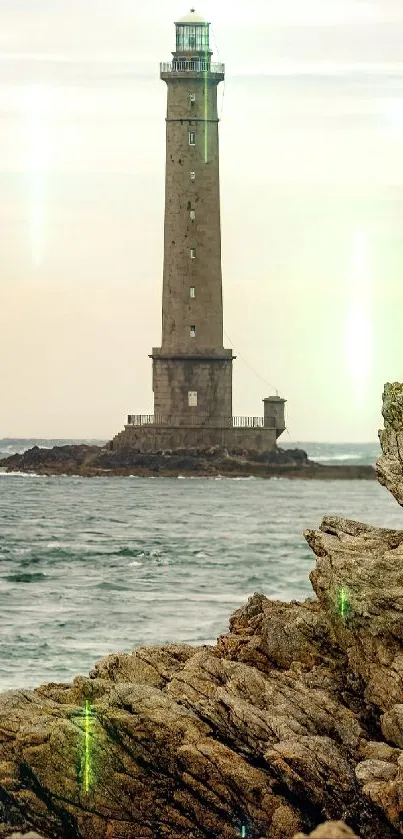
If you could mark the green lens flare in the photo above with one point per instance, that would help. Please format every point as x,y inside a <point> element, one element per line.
<point>343,602</point>
<point>87,751</point>
<point>205,93</point>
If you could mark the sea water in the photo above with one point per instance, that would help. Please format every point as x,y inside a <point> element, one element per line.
<point>90,566</point>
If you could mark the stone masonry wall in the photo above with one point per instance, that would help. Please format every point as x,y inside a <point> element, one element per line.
<point>193,356</point>
<point>181,272</point>
<point>212,380</point>
<point>162,438</point>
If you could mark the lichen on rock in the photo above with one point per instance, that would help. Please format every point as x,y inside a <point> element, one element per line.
<point>389,466</point>
<point>392,410</point>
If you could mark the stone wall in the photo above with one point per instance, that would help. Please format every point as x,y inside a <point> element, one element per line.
<point>274,413</point>
<point>203,273</point>
<point>163,438</point>
<point>192,357</point>
<point>211,380</point>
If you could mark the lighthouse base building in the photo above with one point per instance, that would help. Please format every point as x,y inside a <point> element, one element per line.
<point>192,371</point>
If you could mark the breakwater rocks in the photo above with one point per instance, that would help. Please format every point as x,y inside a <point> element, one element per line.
<point>291,725</point>
<point>92,461</point>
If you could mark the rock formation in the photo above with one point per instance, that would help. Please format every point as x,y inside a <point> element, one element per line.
<point>88,461</point>
<point>290,726</point>
<point>329,830</point>
<point>390,465</point>
<point>29,835</point>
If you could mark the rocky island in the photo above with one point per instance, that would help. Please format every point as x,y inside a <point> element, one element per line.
<point>90,461</point>
<point>290,726</point>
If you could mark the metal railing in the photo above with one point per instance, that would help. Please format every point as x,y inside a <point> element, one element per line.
<point>184,65</point>
<point>194,420</point>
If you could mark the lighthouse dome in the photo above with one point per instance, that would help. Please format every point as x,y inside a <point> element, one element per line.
<point>191,17</point>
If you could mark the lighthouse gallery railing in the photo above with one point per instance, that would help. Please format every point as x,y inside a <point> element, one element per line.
<point>198,65</point>
<point>215,422</point>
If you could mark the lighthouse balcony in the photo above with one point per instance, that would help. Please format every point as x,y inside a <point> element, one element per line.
<point>200,420</point>
<point>155,433</point>
<point>181,67</point>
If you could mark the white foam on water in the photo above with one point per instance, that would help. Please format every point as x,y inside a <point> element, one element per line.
<point>81,546</point>
<point>193,597</point>
<point>337,457</point>
<point>21,475</point>
<point>134,563</point>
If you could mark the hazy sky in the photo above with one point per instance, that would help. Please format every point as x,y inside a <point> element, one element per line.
<point>311,197</point>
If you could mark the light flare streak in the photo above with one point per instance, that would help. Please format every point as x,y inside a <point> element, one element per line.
<point>343,602</point>
<point>87,751</point>
<point>358,322</point>
<point>206,94</point>
<point>37,105</point>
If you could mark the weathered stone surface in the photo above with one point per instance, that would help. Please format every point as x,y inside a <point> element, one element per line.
<point>294,718</point>
<point>375,770</point>
<point>186,740</point>
<point>389,466</point>
<point>29,835</point>
<point>366,564</point>
<point>330,830</point>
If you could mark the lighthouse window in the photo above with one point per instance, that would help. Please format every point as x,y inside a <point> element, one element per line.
<point>192,398</point>
<point>192,138</point>
<point>193,253</point>
<point>192,215</point>
<point>193,332</point>
<point>192,291</point>
<point>192,176</point>
<point>190,37</point>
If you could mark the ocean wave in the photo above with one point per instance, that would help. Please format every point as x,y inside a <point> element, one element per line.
<point>35,577</point>
<point>5,474</point>
<point>337,457</point>
<point>110,585</point>
<point>188,597</point>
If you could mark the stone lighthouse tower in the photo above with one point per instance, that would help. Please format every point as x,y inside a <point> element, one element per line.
<point>192,372</point>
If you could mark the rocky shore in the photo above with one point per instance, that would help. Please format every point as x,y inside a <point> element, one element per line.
<point>91,461</point>
<point>290,726</point>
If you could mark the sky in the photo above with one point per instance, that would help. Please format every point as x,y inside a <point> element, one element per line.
<point>311,164</point>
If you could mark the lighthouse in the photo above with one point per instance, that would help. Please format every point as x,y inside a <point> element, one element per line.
<point>192,372</point>
<point>191,369</point>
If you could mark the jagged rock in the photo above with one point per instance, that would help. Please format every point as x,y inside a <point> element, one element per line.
<point>294,718</point>
<point>375,770</point>
<point>389,466</point>
<point>361,567</point>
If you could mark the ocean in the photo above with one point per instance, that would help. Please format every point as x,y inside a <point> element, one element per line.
<point>90,566</point>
